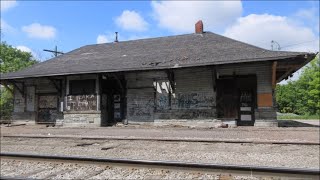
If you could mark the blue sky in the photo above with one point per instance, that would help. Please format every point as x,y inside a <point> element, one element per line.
<point>35,25</point>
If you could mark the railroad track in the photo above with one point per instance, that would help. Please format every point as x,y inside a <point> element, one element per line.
<point>164,139</point>
<point>102,166</point>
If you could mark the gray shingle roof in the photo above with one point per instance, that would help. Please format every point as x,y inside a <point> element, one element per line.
<point>154,53</point>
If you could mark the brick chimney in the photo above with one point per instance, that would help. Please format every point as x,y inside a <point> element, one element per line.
<point>199,27</point>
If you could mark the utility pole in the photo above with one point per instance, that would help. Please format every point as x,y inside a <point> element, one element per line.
<point>275,43</point>
<point>55,51</point>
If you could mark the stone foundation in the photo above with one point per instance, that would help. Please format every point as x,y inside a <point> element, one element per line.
<point>266,117</point>
<point>205,123</point>
<point>82,119</point>
<point>266,123</point>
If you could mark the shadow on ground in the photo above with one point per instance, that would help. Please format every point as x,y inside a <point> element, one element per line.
<point>293,123</point>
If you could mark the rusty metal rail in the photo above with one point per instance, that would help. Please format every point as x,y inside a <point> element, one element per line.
<point>259,171</point>
<point>161,139</point>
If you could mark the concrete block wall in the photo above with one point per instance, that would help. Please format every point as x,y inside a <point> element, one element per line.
<point>141,95</point>
<point>80,110</point>
<point>194,96</point>
<point>19,100</point>
<point>24,105</point>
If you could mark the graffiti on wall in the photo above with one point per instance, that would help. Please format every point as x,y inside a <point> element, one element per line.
<point>30,98</point>
<point>48,102</point>
<point>141,108</point>
<point>49,115</point>
<point>195,114</point>
<point>82,103</point>
<point>48,109</point>
<point>193,101</point>
<point>162,101</point>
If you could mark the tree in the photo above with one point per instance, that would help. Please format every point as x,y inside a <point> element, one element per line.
<point>303,95</point>
<point>11,60</point>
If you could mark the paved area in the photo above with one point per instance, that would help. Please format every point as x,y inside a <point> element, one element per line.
<point>292,134</point>
<point>312,122</point>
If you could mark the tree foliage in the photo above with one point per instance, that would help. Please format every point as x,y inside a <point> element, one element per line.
<point>301,96</point>
<point>11,59</point>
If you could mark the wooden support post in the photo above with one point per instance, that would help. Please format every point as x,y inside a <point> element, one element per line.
<point>58,88</point>
<point>289,71</point>
<point>274,74</point>
<point>214,78</point>
<point>18,88</point>
<point>8,88</point>
<point>120,82</point>
<point>170,76</point>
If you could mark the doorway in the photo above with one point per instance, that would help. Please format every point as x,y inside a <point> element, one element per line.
<point>112,101</point>
<point>47,108</point>
<point>236,99</point>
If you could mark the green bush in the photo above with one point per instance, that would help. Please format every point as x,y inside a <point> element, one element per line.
<point>302,96</point>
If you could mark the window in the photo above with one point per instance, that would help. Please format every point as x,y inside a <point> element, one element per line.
<point>163,94</point>
<point>82,87</point>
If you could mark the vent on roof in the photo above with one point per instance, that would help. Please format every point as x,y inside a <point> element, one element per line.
<point>199,27</point>
<point>116,40</point>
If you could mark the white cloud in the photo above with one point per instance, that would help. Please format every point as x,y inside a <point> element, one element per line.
<point>39,31</point>
<point>181,16</point>
<point>7,4</point>
<point>27,49</point>
<point>260,30</point>
<point>310,16</point>
<point>24,49</point>
<point>102,39</point>
<point>307,13</point>
<point>132,21</point>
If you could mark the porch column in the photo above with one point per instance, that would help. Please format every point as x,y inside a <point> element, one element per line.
<point>266,111</point>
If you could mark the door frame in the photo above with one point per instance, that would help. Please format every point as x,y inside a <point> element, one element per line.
<point>38,106</point>
<point>253,89</point>
<point>238,86</point>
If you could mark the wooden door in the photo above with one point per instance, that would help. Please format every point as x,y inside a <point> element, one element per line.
<point>48,110</point>
<point>227,99</point>
<point>246,108</point>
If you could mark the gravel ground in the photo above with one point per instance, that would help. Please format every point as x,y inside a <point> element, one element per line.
<point>298,134</point>
<point>51,170</point>
<point>296,156</point>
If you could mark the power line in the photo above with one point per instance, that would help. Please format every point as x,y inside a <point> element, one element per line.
<point>298,43</point>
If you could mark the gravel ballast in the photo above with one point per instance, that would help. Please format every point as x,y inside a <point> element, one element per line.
<point>50,170</point>
<point>295,156</point>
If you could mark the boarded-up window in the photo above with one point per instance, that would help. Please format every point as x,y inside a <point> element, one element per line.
<point>82,87</point>
<point>163,93</point>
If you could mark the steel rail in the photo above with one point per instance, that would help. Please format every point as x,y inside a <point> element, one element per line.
<point>164,139</point>
<point>170,164</point>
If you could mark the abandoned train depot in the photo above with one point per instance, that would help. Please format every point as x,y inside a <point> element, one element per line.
<point>194,77</point>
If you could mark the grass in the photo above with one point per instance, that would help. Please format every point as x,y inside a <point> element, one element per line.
<point>302,117</point>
